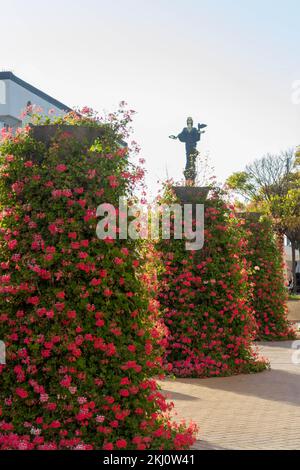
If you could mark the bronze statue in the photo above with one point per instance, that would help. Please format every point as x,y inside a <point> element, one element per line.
<point>190,136</point>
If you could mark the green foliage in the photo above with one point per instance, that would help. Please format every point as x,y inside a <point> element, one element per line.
<point>241,182</point>
<point>268,295</point>
<point>204,297</point>
<point>81,334</point>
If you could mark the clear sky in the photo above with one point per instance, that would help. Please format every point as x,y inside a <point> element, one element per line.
<point>228,63</point>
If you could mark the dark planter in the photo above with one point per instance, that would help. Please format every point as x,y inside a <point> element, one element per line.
<point>252,216</point>
<point>191,194</point>
<point>85,135</point>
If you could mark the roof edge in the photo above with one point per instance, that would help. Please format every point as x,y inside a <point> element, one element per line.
<point>34,90</point>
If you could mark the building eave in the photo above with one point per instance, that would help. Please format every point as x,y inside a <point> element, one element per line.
<point>34,90</point>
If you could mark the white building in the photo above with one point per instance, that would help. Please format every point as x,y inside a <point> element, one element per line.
<point>16,95</point>
<point>288,256</point>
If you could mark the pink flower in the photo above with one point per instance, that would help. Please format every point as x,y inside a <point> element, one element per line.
<point>51,406</point>
<point>86,110</point>
<point>81,400</point>
<point>44,397</point>
<point>108,446</point>
<point>55,424</point>
<point>12,244</point>
<point>75,245</point>
<point>91,174</point>
<point>121,443</point>
<point>100,419</point>
<point>53,229</point>
<point>33,300</point>
<point>107,292</point>
<point>82,202</point>
<point>17,187</point>
<point>113,182</point>
<point>56,193</point>
<point>59,306</point>
<point>72,235</point>
<point>79,190</point>
<point>66,381</point>
<point>71,314</point>
<point>21,392</point>
<point>60,295</point>
<point>95,282</point>
<point>125,381</point>
<point>61,168</point>
<point>50,314</point>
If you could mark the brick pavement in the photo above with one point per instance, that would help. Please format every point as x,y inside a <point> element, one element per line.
<point>257,411</point>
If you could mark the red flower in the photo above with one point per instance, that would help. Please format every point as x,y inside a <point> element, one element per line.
<point>21,392</point>
<point>61,295</point>
<point>72,235</point>
<point>107,292</point>
<point>61,168</point>
<point>66,381</point>
<point>53,229</point>
<point>55,424</point>
<point>71,314</point>
<point>113,182</point>
<point>95,282</point>
<point>12,244</point>
<point>108,446</point>
<point>121,444</point>
<point>33,300</point>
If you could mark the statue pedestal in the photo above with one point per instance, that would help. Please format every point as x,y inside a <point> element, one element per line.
<point>191,194</point>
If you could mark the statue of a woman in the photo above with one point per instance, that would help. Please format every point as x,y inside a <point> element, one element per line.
<point>190,136</point>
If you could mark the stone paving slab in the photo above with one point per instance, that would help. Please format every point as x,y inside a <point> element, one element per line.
<point>257,411</point>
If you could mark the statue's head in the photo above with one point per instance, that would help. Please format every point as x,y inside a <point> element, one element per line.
<point>189,122</point>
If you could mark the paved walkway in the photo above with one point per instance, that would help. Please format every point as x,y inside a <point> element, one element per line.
<point>258,411</point>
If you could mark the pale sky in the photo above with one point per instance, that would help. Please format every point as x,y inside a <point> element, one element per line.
<point>228,63</point>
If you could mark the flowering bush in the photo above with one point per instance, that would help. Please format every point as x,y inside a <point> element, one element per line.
<point>268,295</point>
<point>81,342</point>
<point>204,297</point>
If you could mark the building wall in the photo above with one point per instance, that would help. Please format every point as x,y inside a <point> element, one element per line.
<point>13,101</point>
<point>288,258</point>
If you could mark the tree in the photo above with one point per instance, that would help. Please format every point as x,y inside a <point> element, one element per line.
<point>271,184</point>
<point>265,178</point>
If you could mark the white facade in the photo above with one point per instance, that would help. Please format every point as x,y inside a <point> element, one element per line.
<point>288,251</point>
<point>16,95</point>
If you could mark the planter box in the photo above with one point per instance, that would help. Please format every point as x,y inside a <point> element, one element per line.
<point>252,216</point>
<point>191,194</point>
<point>83,134</point>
